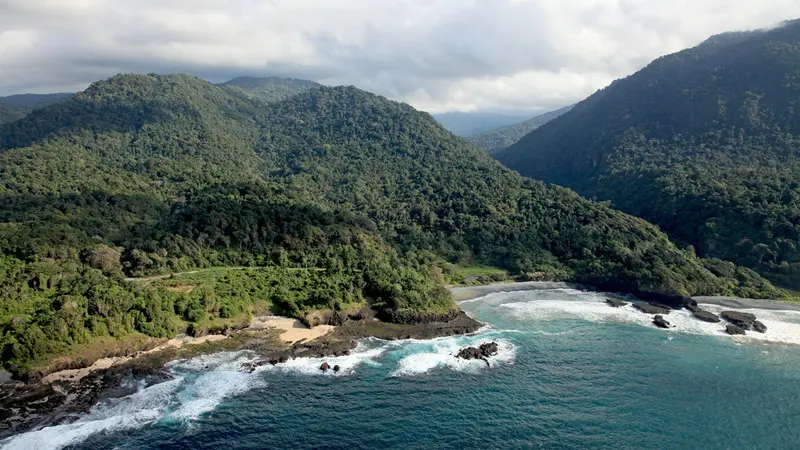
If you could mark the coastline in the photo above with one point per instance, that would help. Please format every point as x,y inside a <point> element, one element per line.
<point>293,331</point>
<point>749,303</point>
<point>467,293</point>
<point>52,398</point>
<point>290,331</point>
<point>463,293</point>
<point>272,339</point>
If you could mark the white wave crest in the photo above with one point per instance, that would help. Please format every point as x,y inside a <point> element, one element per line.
<point>782,326</point>
<point>362,354</point>
<point>425,356</point>
<point>133,411</point>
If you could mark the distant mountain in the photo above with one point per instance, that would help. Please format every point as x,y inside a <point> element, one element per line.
<point>270,89</point>
<point>703,143</point>
<point>498,139</point>
<point>333,198</point>
<point>466,124</point>
<point>15,107</point>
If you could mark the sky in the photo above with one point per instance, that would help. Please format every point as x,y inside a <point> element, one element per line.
<point>437,55</point>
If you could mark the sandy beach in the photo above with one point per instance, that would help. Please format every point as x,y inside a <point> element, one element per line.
<point>464,293</point>
<point>749,303</point>
<point>292,330</point>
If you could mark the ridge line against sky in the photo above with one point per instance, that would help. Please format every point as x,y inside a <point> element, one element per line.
<point>437,55</point>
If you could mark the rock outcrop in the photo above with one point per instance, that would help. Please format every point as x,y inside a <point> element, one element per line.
<point>660,322</point>
<point>615,302</point>
<point>649,308</point>
<point>740,319</point>
<point>482,352</point>
<point>324,367</point>
<point>734,330</point>
<point>760,327</point>
<point>705,316</point>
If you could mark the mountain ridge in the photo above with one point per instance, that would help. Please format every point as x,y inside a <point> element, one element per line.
<point>673,142</point>
<point>498,139</point>
<point>147,174</point>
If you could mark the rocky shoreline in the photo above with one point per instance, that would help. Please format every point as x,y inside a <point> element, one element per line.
<point>32,405</point>
<point>36,404</point>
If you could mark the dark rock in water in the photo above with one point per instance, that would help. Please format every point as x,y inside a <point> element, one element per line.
<point>760,327</point>
<point>705,316</point>
<point>336,369</point>
<point>693,308</point>
<point>252,366</point>
<point>733,329</point>
<point>324,367</point>
<point>615,303</point>
<point>488,349</point>
<point>483,352</point>
<point>661,298</point>
<point>740,319</point>
<point>650,309</point>
<point>469,353</point>
<point>660,322</point>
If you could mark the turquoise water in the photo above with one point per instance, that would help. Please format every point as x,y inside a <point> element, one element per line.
<point>572,373</point>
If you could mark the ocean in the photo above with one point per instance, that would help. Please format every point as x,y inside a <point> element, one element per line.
<point>572,373</point>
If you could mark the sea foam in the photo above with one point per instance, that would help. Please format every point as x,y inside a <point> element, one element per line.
<point>420,357</point>
<point>133,411</point>
<point>782,326</point>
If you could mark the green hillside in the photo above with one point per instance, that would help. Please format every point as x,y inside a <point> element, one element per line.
<point>340,196</point>
<point>703,143</point>
<point>10,113</point>
<point>270,89</point>
<point>498,139</point>
<point>15,107</point>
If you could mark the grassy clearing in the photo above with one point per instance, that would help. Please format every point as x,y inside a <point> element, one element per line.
<point>99,347</point>
<point>474,275</point>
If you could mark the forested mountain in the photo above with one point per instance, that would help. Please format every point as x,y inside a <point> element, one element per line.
<point>10,114</point>
<point>16,107</point>
<point>468,124</point>
<point>498,139</point>
<point>703,143</point>
<point>340,196</point>
<point>270,89</point>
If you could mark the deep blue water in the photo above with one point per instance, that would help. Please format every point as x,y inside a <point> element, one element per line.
<point>572,373</point>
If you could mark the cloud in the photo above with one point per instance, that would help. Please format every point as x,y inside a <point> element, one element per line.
<point>438,55</point>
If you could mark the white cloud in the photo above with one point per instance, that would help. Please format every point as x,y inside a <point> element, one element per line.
<point>435,54</point>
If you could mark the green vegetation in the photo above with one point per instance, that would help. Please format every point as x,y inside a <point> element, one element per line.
<point>455,274</point>
<point>498,139</point>
<point>702,143</point>
<point>331,198</point>
<point>15,107</point>
<point>270,89</point>
<point>10,113</point>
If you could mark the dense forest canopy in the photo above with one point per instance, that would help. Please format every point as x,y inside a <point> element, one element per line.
<point>493,141</point>
<point>270,89</point>
<point>15,107</point>
<point>337,196</point>
<point>702,142</point>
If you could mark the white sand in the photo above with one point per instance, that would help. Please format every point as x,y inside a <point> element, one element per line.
<point>292,330</point>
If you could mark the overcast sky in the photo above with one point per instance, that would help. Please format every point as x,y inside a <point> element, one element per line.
<point>438,55</point>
